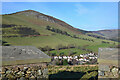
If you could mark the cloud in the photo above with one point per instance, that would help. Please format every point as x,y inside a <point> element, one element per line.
<point>80,9</point>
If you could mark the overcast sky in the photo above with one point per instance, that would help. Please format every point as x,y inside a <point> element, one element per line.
<point>88,16</point>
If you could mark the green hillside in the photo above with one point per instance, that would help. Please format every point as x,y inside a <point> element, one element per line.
<point>30,28</point>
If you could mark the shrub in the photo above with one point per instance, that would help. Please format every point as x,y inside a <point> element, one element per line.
<point>65,62</point>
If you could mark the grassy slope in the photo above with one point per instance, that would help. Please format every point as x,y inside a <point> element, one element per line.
<point>67,51</point>
<point>51,40</point>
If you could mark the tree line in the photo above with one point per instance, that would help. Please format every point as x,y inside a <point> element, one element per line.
<point>60,47</point>
<point>66,33</point>
<point>18,31</point>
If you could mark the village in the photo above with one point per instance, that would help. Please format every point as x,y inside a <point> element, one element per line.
<point>88,58</point>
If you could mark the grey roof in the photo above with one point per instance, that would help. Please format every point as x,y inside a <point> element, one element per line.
<point>18,53</point>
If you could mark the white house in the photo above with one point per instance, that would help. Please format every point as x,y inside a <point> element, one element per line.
<point>91,57</point>
<point>60,57</point>
<point>69,60</point>
<point>81,55</point>
<point>75,57</point>
<point>91,54</point>
<point>81,59</point>
<point>55,57</point>
<point>64,57</point>
<point>70,57</point>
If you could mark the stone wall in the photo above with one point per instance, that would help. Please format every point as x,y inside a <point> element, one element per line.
<point>25,72</point>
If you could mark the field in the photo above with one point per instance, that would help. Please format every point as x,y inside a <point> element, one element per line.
<point>54,40</point>
<point>67,51</point>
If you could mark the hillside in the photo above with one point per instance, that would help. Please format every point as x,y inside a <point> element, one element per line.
<point>37,29</point>
<point>108,34</point>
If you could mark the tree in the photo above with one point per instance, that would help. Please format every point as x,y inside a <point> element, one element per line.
<point>65,62</point>
<point>48,27</point>
<point>62,53</point>
<point>74,36</point>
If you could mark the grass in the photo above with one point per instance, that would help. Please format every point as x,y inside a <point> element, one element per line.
<point>76,72</point>
<point>54,40</point>
<point>67,51</point>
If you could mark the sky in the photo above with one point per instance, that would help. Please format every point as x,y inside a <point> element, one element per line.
<point>90,16</point>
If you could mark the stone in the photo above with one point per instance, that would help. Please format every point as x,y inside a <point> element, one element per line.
<point>101,73</point>
<point>115,71</point>
<point>27,75</point>
<point>10,76</point>
<point>45,71</point>
<point>28,72</point>
<point>4,78</point>
<point>8,72</point>
<point>39,77</point>
<point>32,78</point>
<point>106,73</point>
<point>22,78</point>
<point>39,72</point>
<point>20,73</point>
<point>25,68</point>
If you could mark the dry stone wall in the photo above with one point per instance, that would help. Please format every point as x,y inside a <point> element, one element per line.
<point>25,72</point>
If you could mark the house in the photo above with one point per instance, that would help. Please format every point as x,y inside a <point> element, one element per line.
<point>64,57</point>
<point>59,57</point>
<point>81,55</point>
<point>91,57</point>
<point>91,54</point>
<point>81,59</point>
<point>75,57</point>
<point>55,57</point>
<point>70,57</point>
<point>69,60</point>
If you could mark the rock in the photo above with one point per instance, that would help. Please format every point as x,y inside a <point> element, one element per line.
<point>101,73</point>
<point>115,71</point>
<point>27,76</point>
<point>20,73</point>
<point>22,78</point>
<point>39,77</point>
<point>45,72</point>
<point>28,72</point>
<point>106,73</point>
<point>8,72</point>
<point>32,78</point>
<point>4,78</point>
<point>10,76</point>
<point>39,72</point>
<point>25,68</point>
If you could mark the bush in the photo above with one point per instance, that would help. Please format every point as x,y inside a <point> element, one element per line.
<point>65,62</point>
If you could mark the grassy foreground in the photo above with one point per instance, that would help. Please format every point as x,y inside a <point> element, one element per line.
<point>77,72</point>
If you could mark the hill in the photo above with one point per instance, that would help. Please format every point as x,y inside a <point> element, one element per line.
<point>48,33</point>
<point>108,34</point>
